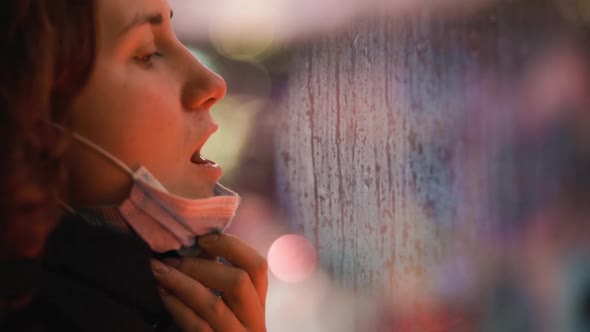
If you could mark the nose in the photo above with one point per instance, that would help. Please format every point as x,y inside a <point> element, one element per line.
<point>203,88</point>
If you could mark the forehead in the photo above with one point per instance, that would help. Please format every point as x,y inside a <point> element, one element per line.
<point>115,15</point>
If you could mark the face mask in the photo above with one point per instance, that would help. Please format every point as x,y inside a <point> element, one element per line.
<point>164,220</point>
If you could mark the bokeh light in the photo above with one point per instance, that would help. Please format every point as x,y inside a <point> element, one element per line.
<point>292,258</point>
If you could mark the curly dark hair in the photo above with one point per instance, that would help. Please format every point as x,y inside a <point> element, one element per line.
<point>48,51</point>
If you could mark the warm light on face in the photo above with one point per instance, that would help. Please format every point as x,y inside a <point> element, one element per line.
<point>292,258</point>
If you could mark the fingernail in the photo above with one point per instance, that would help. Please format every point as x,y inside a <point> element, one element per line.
<point>172,262</point>
<point>207,240</point>
<point>158,267</point>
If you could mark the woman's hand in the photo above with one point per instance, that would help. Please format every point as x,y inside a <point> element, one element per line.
<point>186,287</point>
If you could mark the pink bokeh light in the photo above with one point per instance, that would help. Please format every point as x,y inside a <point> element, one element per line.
<point>292,258</point>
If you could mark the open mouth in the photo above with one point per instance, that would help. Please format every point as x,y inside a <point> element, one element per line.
<point>206,165</point>
<point>197,159</point>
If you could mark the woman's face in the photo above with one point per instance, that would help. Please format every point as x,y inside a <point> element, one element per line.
<point>147,103</point>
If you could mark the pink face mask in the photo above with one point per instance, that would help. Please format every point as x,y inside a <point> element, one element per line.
<point>164,220</point>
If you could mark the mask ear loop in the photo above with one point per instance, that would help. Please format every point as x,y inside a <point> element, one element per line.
<point>94,147</point>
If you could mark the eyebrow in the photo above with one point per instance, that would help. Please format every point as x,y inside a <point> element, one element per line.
<point>141,19</point>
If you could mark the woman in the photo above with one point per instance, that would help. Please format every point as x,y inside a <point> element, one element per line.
<point>144,114</point>
<point>138,188</point>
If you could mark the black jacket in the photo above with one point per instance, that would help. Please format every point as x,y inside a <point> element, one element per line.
<point>94,278</point>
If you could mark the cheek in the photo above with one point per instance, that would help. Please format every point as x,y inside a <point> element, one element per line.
<point>127,109</point>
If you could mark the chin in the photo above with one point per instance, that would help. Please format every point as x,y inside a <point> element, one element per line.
<point>199,187</point>
<point>195,181</point>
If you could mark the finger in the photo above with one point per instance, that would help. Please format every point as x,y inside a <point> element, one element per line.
<point>241,256</point>
<point>184,317</point>
<point>238,290</point>
<point>197,297</point>
<point>208,256</point>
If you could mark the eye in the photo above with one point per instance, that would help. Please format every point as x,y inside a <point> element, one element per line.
<point>147,59</point>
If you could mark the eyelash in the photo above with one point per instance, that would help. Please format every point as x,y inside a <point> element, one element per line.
<point>147,60</point>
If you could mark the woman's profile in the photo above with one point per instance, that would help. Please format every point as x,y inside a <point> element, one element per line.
<point>143,213</point>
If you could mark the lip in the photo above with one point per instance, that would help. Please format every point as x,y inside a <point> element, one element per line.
<point>212,171</point>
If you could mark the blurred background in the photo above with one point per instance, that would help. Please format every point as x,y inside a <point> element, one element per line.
<point>407,165</point>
